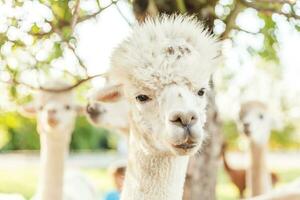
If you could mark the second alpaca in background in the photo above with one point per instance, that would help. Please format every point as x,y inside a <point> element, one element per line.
<point>238,176</point>
<point>257,123</point>
<point>56,115</point>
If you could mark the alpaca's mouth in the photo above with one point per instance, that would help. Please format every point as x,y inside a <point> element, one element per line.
<point>246,131</point>
<point>185,146</point>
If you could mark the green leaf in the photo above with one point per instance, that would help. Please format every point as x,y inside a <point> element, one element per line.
<point>66,33</point>
<point>61,10</point>
<point>270,41</point>
<point>3,39</point>
<point>56,53</point>
<point>58,10</point>
<point>18,3</point>
<point>13,92</point>
<point>35,29</point>
<point>297,28</point>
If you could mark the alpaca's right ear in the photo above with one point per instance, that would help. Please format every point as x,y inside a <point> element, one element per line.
<point>111,93</point>
<point>28,110</point>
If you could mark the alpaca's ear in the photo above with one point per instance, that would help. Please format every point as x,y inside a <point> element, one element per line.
<point>28,110</point>
<point>111,93</point>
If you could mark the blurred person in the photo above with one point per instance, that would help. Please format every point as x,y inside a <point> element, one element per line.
<point>118,173</point>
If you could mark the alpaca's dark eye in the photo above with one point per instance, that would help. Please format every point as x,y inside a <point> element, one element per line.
<point>67,107</point>
<point>142,98</point>
<point>261,116</point>
<point>201,92</point>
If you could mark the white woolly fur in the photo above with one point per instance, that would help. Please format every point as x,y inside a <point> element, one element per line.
<point>166,50</point>
<point>168,58</point>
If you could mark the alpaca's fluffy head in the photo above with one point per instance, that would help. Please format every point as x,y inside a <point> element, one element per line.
<point>163,70</point>
<point>256,121</point>
<point>55,112</point>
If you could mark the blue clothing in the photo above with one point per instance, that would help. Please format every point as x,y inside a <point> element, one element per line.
<point>113,195</point>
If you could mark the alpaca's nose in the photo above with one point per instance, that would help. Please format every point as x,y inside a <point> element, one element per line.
<point>246,125</point>
<point>183,119</point>
<point>93,110</point>
<point>246,128</point>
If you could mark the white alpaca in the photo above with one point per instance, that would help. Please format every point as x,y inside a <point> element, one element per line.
<point>111,115</point>
<point>56,114</point>
<point>290,191</point>
<point>257,124</point>
<point>162,70</point>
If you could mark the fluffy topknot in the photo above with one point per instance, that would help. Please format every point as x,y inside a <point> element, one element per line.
<point>167,49</point>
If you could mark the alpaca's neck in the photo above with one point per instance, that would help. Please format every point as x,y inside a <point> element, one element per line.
<point>53,153</point>
<point>150,176</point>
<point>259,177</point>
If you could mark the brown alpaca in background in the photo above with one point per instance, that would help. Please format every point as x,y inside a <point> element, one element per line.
<point>238,176</point>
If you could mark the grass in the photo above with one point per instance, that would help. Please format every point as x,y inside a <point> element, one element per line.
<point>24,181</point>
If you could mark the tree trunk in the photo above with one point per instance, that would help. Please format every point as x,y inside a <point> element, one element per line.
<point>202,171</point>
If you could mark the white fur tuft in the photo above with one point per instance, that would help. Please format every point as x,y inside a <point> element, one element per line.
<point>167,49</point>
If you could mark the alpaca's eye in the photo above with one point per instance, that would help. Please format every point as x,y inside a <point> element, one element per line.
<point>67,107</point>
<point>142,98</point>
<point>201,92</point>
<point>261,116</point>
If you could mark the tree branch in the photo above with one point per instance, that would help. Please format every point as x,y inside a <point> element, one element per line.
<point>80,61</point>
<point>240,29</point>
<point>75,14</point>
<point>278,1</point>
<point>121,13</point>
<point>230,20</point>
<point>84,18</point>
<point>181,6</point>
<point>40,88</point>
<point>268,10</point>
<point>42,34</point>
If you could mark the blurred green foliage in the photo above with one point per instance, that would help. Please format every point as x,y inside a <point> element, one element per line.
<point>86,136</point>
<point>19,133</point>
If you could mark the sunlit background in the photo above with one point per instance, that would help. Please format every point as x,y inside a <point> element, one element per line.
<point>255,67</point>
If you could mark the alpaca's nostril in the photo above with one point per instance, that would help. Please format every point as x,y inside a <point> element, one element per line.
<point>92,110</point>
<point>89,108</point>
<point>194,119</point>
<point>246,125</point>
<point>178,121</point>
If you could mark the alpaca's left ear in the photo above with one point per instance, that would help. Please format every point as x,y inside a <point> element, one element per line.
<point>111,93</point>
<point>28,110</point>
